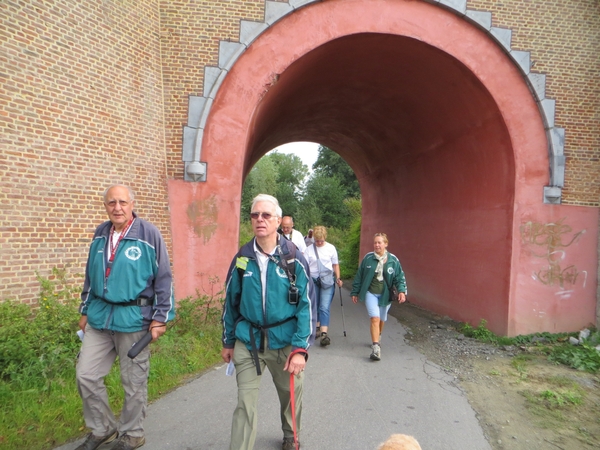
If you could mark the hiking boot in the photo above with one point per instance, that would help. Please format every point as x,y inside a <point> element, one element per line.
<point>288,444</point>
<point>127,442</point>
<point>93,442</point>
<point>376,353</point>
<point>325,339</point>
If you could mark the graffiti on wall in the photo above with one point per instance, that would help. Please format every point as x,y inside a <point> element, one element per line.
<point>550,241</point>
<point>202,215</point>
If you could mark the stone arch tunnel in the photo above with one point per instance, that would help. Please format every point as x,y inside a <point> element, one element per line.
<point>429,147</point>
<point>445,138</point>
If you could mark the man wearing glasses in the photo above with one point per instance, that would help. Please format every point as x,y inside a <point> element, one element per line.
<point>127,292</point>
<point>268,321</point>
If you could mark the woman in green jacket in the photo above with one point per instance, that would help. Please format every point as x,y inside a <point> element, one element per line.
<point>378,272</point>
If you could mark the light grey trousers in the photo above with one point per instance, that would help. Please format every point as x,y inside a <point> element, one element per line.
<point>98,353</point>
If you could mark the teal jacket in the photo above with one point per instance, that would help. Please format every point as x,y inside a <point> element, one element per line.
<point>244,302</point>
<point>392,274</point>
<point>140,269</point>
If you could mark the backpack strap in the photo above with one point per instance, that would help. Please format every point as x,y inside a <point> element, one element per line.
<point>287,261</point>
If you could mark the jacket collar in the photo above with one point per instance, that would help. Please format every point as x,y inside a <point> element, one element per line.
<point>134,230</point>
<point>248,249</point>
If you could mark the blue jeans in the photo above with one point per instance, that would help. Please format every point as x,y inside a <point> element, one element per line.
<point>324,298</point>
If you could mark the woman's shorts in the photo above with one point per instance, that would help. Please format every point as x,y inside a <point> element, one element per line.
<point>373,308</point>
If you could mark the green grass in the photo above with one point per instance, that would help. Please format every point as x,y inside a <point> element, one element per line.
<point>560,399</point>
<point>520,365</point>
<point>583,357</point>
<point>39,404</point>
<point>557,402</point>
<point>553,402</point>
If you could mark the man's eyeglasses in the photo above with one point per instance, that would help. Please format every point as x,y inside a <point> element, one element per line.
<point>265,215</point>
<point>122,203</point>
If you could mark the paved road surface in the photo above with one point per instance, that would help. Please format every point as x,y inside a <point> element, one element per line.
<point>350,402</point>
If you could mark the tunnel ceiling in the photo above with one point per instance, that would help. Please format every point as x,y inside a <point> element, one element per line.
<point>372,97</point>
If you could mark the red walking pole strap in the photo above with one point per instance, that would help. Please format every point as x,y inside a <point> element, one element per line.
<point>293,397</point>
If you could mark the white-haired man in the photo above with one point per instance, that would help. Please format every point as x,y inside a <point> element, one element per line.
<point>269,321</point>
<point>127,292</point>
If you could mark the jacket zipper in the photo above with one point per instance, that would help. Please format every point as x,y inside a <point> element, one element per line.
<point>108,318</point>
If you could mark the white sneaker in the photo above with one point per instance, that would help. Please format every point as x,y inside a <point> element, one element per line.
<point>376,353</point>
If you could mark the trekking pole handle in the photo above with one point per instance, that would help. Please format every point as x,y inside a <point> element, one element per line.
<point>138,346</point>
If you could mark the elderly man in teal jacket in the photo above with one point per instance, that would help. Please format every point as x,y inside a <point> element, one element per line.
<point>127,293</point>
<point>269,321</point>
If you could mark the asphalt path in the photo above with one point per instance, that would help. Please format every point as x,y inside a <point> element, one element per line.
<point>350,402</point>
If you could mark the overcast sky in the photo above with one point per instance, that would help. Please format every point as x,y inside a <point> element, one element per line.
<point>306,151</point>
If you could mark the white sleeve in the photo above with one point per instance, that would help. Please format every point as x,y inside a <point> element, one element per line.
<point>334,255</point>
<point>298,239</point>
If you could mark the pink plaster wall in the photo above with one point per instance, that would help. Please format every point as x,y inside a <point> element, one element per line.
<point>554,269</point>
<point>452,199</point>
<point>205,231</point>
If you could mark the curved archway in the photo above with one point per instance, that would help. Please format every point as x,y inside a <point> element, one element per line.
<point>229,52</point>
<point>429,147</point>
<point>443,134</point>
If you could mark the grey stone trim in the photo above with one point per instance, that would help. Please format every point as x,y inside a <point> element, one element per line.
<point>537,81</point>
<point>195,107</point>
<point>275,11</point>
<point>189,143</point>
<point>195,171</point>
<point>503,36</point>
<point>522,59</point>
<point>249,31</point>
<point>213,77</point>
<point>481,18</point>
<point>552,194</point>
<point>300,3</point>
<point>557,157</point>
<point>548,106</point>
<point>229,52</point>
<point>459,6</point>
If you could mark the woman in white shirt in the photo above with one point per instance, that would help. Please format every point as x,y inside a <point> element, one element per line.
<point>322,258</point>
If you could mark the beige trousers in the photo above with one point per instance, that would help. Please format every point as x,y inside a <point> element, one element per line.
<point>98,353</point>
<point>243,428</point>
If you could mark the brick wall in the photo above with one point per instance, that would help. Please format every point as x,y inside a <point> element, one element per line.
<point>96,92</point>
<point>81,107</point>
<point>190,34</point>
<point>564,40</point>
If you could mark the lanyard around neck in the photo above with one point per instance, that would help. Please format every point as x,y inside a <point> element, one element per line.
<point>113,248</point>
<point>281,262</point>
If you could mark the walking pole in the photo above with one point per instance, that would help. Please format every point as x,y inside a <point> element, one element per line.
<point>342,303</point>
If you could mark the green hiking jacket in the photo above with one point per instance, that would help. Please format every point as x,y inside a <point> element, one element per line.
<point>392,273</point>
<point>244,302</point>
<point>140,269</point>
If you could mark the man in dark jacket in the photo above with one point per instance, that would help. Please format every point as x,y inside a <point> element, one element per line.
<point>127,292</point>
<point>268,321</point>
